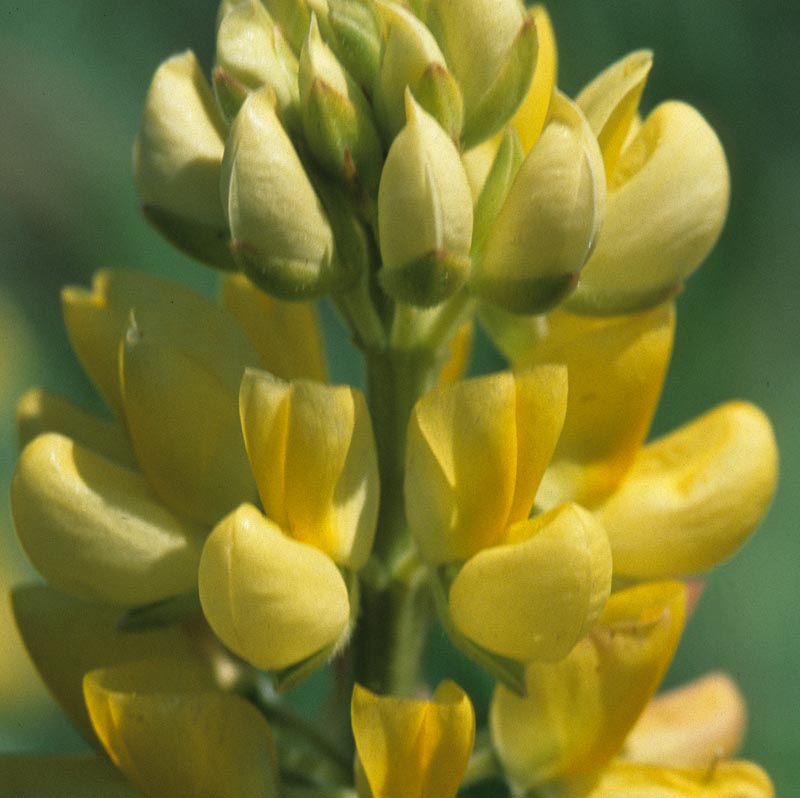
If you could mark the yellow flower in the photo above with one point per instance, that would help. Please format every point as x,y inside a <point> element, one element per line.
<point>275,588</point>
<point>117,511</point>
<point>675,506</point>
<point>410,748</point>
<point>521,588</point>
<point>575,733</point>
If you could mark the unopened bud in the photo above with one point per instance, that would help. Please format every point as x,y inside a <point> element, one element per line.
<point>357,38</point>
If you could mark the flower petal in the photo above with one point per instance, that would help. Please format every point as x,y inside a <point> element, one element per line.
<point>535,597</point>
<point>692,726</point>
<point>93,528</point>
<point>273,600</point>
<point>577,712</point>
<point>170,733</point>
<point>476,453</point>
<point>412,748</point>
<point>692,497</point>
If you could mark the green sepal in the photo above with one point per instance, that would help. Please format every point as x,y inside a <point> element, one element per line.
<point>507,92</point>
<point>202,242</point>
<point>283,278</point>
<point>358,34</point>
<point>437,91</point>
<point>526,295</point>
<point>160,614</point>
<point>341,136</point>
<point>229,92</point>
<point>426,281</point>
<point>288,678</point>
<point>509,672</point>
<point>505,166</point>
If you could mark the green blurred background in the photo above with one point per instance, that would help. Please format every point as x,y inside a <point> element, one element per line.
<point>74,77</point>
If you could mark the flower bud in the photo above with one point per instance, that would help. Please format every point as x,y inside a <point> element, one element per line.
<point>535,596</point>
<point>691,498</point>
<point>312,452</point>
<point>93,529</point>
<point>576,712</point>
<point>409,747</point>
<point>294,17</point>
<point>251,53</point>
<point>337,120</point>
<point>492,48</point>
<point>176,161</point>
<point>272,599</point>
<point>357,38</point>
<point>667,202</point>
<point>424,213</point>
<point>412,60</point>
<point>548,224</point>
<point>281,236</point>
<point>476,452</point>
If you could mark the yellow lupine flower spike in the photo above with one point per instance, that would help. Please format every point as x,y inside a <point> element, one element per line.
<point>692,497</point>
<point>692,726</point>
<point>312,452</point>
<point>577,712</point>
<point>410,748</point>
<point>171,733</point>
<point>476,453</point>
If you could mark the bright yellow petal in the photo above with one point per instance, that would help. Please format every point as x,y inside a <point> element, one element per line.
<point>578,712</point>
<point>476,452</point>
<point>616,369</point>
<point>725,780</point>
<point>94,530</point>
<point>692,726</point>
<point>271,599</point>
<point>692,497</point>
<point>535,597</point>
<point>312,451</point>
<point>171,734</point>
<point>285,334</point>
<point>66,637</point>
<point>39,411</point>
<point>457,355</point>
<point>530,118</point>
<point>183,421</point>
<point>40,776</point>
<point>410,748</point>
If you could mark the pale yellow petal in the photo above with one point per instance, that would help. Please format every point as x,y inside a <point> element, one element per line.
<point>61,776</point>
<point>530,118</point>
<point>692,726</point>
<point>616,369</point>
<point>66,638</point>
<point>170,733</point>
<point>611,100</point>
<point>411,748</point>
<point>39,411</point>
<point>692,497</point>
<point>725,780</point>
<point>93,528</point>
<point>476,452</point>
<point>286,335</point>
<point>183,420</point>
<point>577,712</point>
<point>271,599</point>
<point>312,451</point>
<point>535,597</point>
